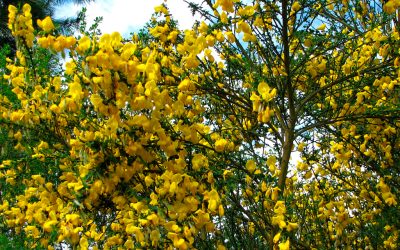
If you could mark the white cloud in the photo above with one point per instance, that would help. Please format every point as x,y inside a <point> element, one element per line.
<point>126,16</point>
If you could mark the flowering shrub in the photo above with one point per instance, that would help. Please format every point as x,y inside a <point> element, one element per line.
<point>183,139</point>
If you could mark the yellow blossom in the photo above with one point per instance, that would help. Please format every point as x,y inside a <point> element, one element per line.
<point>46,24</point>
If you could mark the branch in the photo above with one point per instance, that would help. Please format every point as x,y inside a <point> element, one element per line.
<point>345,118</point>
<point>345,78</point>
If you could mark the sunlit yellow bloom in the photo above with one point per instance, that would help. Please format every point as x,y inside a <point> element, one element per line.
<point>46,24</point>
<point>251,166</point>
<point>284,245</point>
<point>296,6</point>
<point>220,145</point>
<point>321,27</point>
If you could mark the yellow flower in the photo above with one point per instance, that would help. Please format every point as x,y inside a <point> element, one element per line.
<point>75,89</point>
<point>251,166</point>
<point>296,6</point>
<point>46,24</point>
<point>322,27</point>
<point>26,8</point>
<point>18,136</point>
<point>83,44</point>
<point>224,17</point>
<point>292,226</point>
<point>73,218</point>
<point>271,161</point>
<point>244,27</point>
<point>199,161</point>
<point>129,244</point>
<point>277,237</point>
<point>161,9</point>
<point>221,210</point>
<point>220,145</point>
<point>389,7</point>
<point>300,147</point>
<point>148,180</point>
<point>256,101</point>
<point>186,85</point>
<point>221,247</point>
<point>48,225</point>
<point>308,43</point>
<point>213,200</point>
<point>12,9</point>
<point>284,245</point>
<point>83,243</point>
<point>32,231</point>
<point>266,92</point>
<point>227,5</point>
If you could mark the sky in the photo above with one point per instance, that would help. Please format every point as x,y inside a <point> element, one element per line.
<point>126,16</point>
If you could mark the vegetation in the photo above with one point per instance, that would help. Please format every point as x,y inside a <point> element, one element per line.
<point>268,125</point>
<point>40,9</point>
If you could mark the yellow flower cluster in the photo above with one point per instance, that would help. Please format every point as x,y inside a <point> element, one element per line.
<point>20,23</point>
<point>149,120</point>
<point>180,139</point>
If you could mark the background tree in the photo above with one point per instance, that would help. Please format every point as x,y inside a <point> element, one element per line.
<point>320,76</point>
